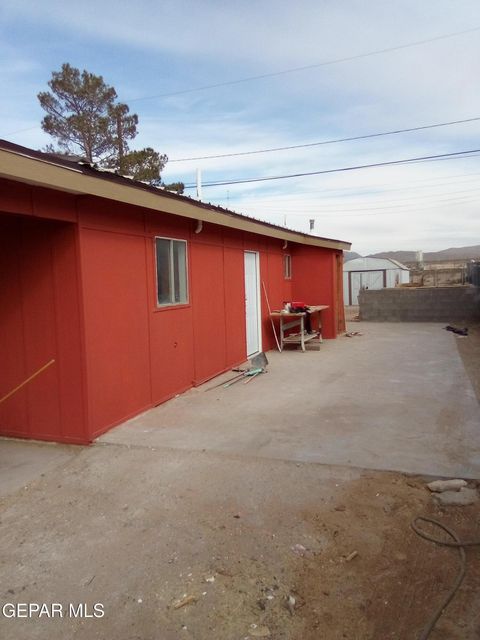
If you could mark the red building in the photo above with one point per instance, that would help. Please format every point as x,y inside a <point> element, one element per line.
<point>137,294</point>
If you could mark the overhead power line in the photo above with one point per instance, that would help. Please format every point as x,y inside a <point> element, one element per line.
<point>334,141</point>
<point>342,193</point>
<point>424,206</point>
<point>453,155</point>
<point>324,209</point>
<point>325,63</point>
<point>328,213</point>
<point>383,188</point>
<point>310,205</point>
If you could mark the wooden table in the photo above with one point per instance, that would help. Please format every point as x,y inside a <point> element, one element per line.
<point>289,320</point>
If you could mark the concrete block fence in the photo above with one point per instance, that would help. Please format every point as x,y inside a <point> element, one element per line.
<point>423,304</point>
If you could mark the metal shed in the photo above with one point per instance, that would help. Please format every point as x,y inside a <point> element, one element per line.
<point>371,273</point>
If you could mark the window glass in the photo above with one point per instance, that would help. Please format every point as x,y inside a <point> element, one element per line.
<point>287,267</point>
<point>179,271</point>
<point>171,258</point>
<point>163,270</point>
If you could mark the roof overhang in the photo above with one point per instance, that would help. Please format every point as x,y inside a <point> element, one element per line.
<point>42,172</point>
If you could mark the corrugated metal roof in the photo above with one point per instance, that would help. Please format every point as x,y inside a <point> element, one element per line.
<point>372,264</point>
<point>399,264</point>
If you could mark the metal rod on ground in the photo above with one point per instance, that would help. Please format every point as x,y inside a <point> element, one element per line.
<point>234,381</point>
<point>250,378</point>
<point>224,382</point>
<point>270,314</point>
<point>34,375</point>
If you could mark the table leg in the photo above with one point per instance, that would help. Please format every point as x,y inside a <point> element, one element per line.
<point>302,334</point>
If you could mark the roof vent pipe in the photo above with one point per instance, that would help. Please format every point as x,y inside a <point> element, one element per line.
<point>199,226</point>
<point>199,184</point>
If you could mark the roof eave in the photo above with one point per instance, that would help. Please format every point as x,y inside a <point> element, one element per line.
<point>45,173</point>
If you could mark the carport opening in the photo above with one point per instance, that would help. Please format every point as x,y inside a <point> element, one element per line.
<point>39,319</point>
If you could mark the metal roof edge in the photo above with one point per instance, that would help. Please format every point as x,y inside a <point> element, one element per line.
<point>36,168</point>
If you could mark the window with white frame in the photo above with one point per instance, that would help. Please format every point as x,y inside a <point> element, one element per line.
<point>171,259</point>
<point>287,266</point>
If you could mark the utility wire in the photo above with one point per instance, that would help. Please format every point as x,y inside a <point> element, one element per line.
<point>293,70</point>
<point>341,169</point>
<point>325,210</point>
<point>325,63</point>
<point>308,206</point>
<point>338,192</point>
<point>341,194</point>
<point>323,142</point>
<point>315,202</point>
<point>309,144</point>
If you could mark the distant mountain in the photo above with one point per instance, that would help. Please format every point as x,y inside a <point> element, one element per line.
<point>350,255</point>
<point>400,256</point>
<point>454,253</point>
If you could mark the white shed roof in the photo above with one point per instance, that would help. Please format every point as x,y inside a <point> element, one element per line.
<point>373,264</point>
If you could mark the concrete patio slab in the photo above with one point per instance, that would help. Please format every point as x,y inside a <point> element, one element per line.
<point>395,398</point>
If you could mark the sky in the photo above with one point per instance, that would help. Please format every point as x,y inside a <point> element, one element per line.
<point>163,59</point>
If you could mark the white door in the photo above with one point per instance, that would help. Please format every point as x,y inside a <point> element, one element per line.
<point>252,302</point>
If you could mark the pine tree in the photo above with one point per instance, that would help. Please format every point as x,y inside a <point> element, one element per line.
<point>85,119</point>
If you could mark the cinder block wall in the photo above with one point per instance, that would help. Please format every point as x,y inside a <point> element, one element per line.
<point>423,304</point>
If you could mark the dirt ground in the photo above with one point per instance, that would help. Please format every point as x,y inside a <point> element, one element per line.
<point>146,529</point>
<point>140,529</point>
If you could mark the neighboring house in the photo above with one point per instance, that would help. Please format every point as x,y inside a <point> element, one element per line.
<point>135,293</point>
<point>371,273</point>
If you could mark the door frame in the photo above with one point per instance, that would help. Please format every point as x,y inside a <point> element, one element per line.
<point>259,302</point>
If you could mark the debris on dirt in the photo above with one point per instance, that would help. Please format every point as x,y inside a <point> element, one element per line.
<point>352,334</point>
<point>462,498</point>
<point>237,515</point>
<point>259,631</point>
<point>262,604</point>
<point>440,486</point>
<point>351,556</point>
<point>290,604</point>
<point>178,604</point>
<point>340,507</point>
<point>210,579</point>
<point>299,549</point>
<point>460,332</point>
